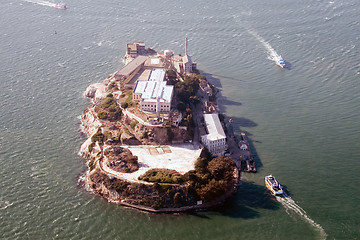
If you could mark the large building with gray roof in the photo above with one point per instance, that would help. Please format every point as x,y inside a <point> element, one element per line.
<point>215,139</point>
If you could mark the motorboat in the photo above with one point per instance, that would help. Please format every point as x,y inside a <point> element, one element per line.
<point>280,61</point>
<point>274,187</point>
<point>60,6</point>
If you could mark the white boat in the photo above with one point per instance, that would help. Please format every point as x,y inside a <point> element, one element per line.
<point>280,61</point>
<point>60,5</point>
<point>274,187</point>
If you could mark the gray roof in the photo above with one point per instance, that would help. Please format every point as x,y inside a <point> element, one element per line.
<point>130,67</point>
<point>214,127</point>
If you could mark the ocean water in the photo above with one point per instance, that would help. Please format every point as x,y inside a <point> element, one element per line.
<point>303,123</point>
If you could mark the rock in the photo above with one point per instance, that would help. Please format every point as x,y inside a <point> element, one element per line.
<point>96,92</point>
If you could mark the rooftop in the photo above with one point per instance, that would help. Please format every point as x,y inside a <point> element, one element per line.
<point>214,127</point>
<point>129,68</point>
<point>157,74</point>
<point>134,46</point>
<point>151,90</point>
<point>186,59</point>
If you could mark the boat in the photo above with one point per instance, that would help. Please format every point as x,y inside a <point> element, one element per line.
<point>274,187</point>
<point>60,6</point>
<point>280,61</point>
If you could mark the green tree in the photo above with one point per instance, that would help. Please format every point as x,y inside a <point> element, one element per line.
<point>221,168</point>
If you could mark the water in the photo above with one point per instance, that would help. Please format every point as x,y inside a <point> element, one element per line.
<point>303,123</point>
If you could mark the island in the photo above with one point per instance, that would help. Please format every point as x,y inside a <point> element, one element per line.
<point>155,138</point>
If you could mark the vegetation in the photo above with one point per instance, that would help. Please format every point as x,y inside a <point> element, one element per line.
<point>211,177</point>
<point>187,89</point>
<point>121,159</point>
<point>108,109</point>
<point>170,134</point>
<point>124,105</point>
<point>91,164</point>
<point>128,100</point>
<point>172,77</point>
<point>98,137</point>
<point>162,176</point>
<point>113,86</point>
<point>133,123</point>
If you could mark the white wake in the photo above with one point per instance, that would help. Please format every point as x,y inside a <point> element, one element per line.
<point>289,204</point>
<point>271,51</point>
<point>41,2</point>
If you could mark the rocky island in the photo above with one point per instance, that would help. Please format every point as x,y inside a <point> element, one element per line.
<point>155,139</point>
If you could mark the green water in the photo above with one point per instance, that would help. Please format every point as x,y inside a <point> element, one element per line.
<point>303,123</point>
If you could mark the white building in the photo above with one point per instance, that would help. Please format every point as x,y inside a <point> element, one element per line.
<point>215,140</point>
<point>154,95</point>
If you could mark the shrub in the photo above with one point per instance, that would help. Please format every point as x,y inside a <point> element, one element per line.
<point>91,146</point>
<point>113,108</point>
<point>91,164</point>
<point>144,134</point>
<point>181,106</point>
<point>102,115</point>
<point>201,164</point>
<point>107,135</point>
<point>124,105</point>
<point>177,198</point>
<point>170,134</point>
<point>107,102</point>
<point>116,114</point>
<point>133,123</point>
<point>162,176</point>
<point>98,137</point>
<point>119,185</point>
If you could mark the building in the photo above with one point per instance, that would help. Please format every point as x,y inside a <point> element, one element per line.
<point>127,73</point>
<point>215,139</point>
<point>205,88</point>
<point>184,64</point>
<point>154,95</point>
<point>135,49</point>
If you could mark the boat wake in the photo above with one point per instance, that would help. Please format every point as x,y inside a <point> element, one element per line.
<point>271,51</point>
<point>289,204</point>
<point>43,3</point>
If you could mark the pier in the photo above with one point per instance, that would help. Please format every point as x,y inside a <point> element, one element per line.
<point>240,151</point>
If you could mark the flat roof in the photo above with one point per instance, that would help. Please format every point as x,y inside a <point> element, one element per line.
<point>131,66</point>
<point>157,74</point>
<point>151,90</point>
<point>214,127</point>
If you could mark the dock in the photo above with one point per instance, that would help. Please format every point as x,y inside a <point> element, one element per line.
<point>240,151</point>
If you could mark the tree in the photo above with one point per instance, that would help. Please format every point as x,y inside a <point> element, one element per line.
<point>181,106</point>
<point>124,105</point>
<point>201,165</point>
<point>221,168</point>
<point>177,198</point>
<point>212,190</point>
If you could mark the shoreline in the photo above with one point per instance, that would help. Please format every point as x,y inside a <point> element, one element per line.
<point>116,186</point>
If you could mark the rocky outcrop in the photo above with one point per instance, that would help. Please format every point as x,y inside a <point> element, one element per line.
<point>96,92</point>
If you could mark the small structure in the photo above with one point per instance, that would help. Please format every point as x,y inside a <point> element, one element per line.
<point>205,87</point>
<point>215,139</point>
